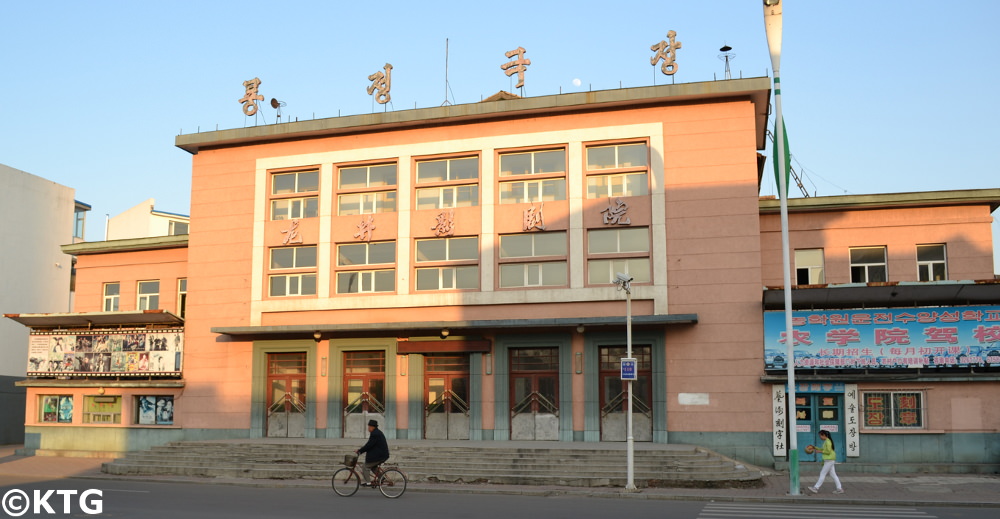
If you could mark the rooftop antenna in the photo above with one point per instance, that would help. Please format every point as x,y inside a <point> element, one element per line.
<point>446,102</point>
<point>727,56</point>
<point>277,106</point>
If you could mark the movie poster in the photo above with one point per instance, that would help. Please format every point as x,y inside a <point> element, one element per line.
<point>106,353</point>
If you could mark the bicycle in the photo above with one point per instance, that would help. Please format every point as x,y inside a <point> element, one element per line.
<point>386,477</point>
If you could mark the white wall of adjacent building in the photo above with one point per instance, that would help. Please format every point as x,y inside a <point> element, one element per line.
<point>36,218</point>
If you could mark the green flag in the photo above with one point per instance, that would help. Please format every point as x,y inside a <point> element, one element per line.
<point>788,160</point>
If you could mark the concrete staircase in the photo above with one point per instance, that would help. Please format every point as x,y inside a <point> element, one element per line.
<point>520,463</point>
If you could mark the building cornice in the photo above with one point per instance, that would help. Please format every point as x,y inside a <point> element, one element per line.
<point>757,90</point>
<point>132,244</point>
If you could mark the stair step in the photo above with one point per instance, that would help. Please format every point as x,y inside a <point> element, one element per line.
<point>576,465</point>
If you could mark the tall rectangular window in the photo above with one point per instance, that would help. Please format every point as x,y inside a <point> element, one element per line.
<point>351,280</point>
<point>623,170</point>
<point>460,177</point>
<point>182,292</point>
<point>809,267</point>
<point>148,295</point>
<point>112,293</point>
<point>547,169</point>
<point>868,265</point>
<point>932,262</point>
<point>452,263</point>
<point>287,190</point>
<point>614,250</point>
<point>297,283</point>
<point>367,189</point>
<point>547,248</point>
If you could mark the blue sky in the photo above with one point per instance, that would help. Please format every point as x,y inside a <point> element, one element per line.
<point>892,96</point>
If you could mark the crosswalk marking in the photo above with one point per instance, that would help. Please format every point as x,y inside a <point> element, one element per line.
<point>780,511</point>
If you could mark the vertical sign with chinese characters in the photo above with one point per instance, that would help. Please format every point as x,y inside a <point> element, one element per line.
<point>779,427</point>
<point>852,419</point>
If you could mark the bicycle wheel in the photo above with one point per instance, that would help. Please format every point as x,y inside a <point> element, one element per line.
<point>345,482</point>
<point>392,483</point>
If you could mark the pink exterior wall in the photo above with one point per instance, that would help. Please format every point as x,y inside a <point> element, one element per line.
<point>964,229</point>
<point>713,259</point>
<point>127,268</point>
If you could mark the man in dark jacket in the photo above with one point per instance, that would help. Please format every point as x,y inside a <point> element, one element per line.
<point>376,451</point>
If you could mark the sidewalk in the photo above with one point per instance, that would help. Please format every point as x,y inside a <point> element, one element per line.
<point>861,489</point>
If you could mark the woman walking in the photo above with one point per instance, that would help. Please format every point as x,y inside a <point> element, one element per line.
<point>829,460</point>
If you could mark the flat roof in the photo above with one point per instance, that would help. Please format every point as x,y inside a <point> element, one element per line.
<point>758,90</point>
<point>130,244</point>
<point>96,319</point>
<point>885,295</point>
<point>455,328</point>
<point>909,199</point>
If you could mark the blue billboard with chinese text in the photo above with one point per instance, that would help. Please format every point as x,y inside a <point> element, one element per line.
<point>941,337</point>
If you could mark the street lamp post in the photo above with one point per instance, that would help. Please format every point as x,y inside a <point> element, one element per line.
<point>624,282</point>
<point>772,25</point>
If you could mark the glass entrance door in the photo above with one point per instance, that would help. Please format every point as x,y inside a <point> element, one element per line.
<point>614,395</point>
<point>534,387</point>
<point>286,398</point>
<point>446,405</point>
<point>364,391</point>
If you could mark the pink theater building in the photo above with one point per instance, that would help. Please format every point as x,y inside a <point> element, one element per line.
<point>449,272</point>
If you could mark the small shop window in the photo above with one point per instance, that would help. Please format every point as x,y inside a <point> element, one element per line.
<point>102,409</point>
<point>56,409</point>
<point>893,410</point>
<point>154,410</point>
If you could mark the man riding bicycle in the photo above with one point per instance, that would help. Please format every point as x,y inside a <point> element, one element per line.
<point>376,451</point>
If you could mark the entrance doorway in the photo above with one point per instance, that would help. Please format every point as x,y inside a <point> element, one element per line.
<point>614,395</point>
<point>446,405</point>
<point>286,398</point>
<point>815,412</point>
<point>364,391</point>
<point>534,388</point>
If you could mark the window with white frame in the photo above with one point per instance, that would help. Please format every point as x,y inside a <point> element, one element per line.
<point>148,295</point>
<point>352,256</point>
<point>932,262</point>
<point>112,293</point>
<point>182,291</point>
<point>367,189</point>
<point>548,249</point>
<point>623,249</point>
<point>809,267</point>
<point>548,176</point>
<point>892,409</point>
<point>451,263</point>
<point>868,265</point>
<point>461,179</point>
<point>624,170</point>
<point>287,202</point>
<point>177,227</point>
<point>297,283</point>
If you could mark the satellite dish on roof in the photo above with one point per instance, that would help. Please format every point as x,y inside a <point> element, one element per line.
<point>277,105</point>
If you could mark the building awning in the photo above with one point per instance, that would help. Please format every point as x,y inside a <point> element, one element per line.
<point>96,319</point>
<point>455,328</point>
<point>885,295</point>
